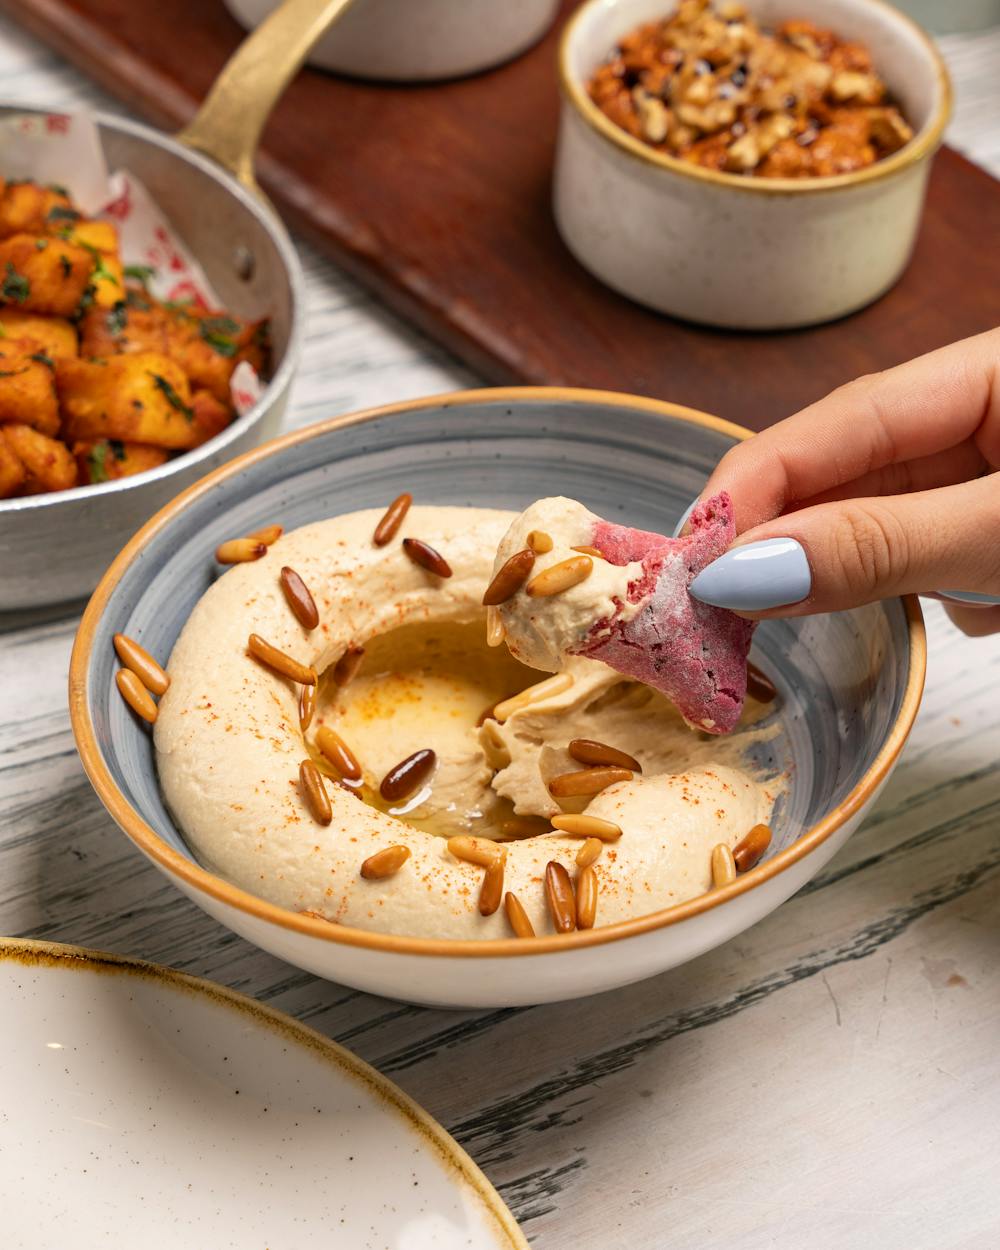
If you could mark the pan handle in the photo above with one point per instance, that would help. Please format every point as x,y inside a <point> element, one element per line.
<point>228,125</point>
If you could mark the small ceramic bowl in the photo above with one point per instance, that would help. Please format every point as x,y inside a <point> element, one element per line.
<point>419,40</point>
<point>849,683</point>
<point>747,253</point>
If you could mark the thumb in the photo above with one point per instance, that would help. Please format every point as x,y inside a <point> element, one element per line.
<point>843,554</point>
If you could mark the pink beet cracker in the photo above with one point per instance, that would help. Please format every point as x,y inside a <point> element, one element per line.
<point>693,653</point>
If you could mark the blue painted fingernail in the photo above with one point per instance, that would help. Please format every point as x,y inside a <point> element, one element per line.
<point>685,516</point>
<point>768,574</point>
<point>970,596</point>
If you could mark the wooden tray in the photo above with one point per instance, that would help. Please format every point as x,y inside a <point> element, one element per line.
<point>437,197</point>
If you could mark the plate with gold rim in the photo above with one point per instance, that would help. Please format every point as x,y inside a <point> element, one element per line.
<point>139,1105</point>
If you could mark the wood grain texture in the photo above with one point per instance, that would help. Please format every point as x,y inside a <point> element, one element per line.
<point>437,198</point>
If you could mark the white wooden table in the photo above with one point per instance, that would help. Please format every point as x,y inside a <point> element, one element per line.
<point>831,1079</point>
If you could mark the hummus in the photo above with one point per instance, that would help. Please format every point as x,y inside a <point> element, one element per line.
<point>229,744</point>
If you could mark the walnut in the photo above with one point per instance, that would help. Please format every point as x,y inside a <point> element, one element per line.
<point>653,119</point>
<point>851,85</point>
<point>888,129</point>
<point>744,154</point>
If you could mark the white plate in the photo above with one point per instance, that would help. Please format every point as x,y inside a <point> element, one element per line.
<point>143,1107</point>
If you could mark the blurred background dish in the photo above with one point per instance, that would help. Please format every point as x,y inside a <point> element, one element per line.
<point>849,683</point>
<point>419,40</point>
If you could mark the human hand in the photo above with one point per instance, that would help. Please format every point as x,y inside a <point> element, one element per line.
<point>888,486</point>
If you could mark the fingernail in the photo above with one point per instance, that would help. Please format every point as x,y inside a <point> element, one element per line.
<point>970,596</point>
<point>768,574</point>
<point>685,517</point>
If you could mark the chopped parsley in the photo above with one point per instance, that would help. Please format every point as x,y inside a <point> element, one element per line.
<point>136,299</point>
<point>141,273</point>
<point>100,269</point>
<point>15,286</point>
<point>117,448</point>
<point>56,189</point>
<point>12,373</point>
<point>171,396</point>
<point>95,462</point>
<point>67,265</point>
<point>116,319</point>
<point>43,359</point>
<point>218,334</point>
<point>41,245</point>
<point>60,212</point>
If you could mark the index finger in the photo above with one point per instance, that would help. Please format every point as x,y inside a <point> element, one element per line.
<point>917,409</point>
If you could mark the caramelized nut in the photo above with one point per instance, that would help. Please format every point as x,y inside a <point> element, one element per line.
<point>759,685</point>
<point>268,535</point>
<point>307,705</point>
<point>240,550</point>
<point>388,527</point>
<point>589,852</point>
<point>723,865</point>
<point>584,826</point>
<point>518,917</point>
<point>586,898</point>
<point>491,891</point>
<point>138,660</point>
<point>559,577</point>
<point>587,781</point>
<point>559,895</point>
<point>539,542</point>
<point>314,792</point>
<point>340,755</point>
<point>346,668</point>
<point>385,863</point>
<point>481,851</point>
<point>424,554</point>
<point>135,694</point>
<point>279,661</point>
<point>404,778</point>
<point>509,579</point>
<point>299,599</point>
<point>587,751</point>
<point>751,847</point>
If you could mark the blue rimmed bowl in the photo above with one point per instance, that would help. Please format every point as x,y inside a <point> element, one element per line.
<point>849,683</point>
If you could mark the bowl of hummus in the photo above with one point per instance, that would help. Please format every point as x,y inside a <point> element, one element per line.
<point>331,744</point>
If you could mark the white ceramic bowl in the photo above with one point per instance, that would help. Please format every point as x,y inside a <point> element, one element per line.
<point>419,40</point>
<point>744,252</point>
<point>849,683</point>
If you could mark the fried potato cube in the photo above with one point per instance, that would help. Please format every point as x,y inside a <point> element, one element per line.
<point>210,415</point>
<point>47,462</point>
<point>12,472</point>
<point>43,275</point>
<point>209,345</point>
<point>124,328</point>
<point>27,389</point>
<point>142,397</point>
<point>27,208</point>
<point>99,235</point>
<point>54,336</point>
<point>107,281</point>
<point>109,459</point>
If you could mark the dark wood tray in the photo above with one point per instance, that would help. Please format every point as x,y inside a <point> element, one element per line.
<point>437,197</point>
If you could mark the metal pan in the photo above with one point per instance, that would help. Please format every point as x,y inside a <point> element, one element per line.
<point>54,547</point>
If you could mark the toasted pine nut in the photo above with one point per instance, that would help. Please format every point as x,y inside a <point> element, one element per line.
<point>240,550</point>
<point>385,863</point>
<point>586,898</point>
<point>495,631</point>
<point>534,694</point>
<point>314,792</point>
<point>346,668</point>
<point>559,895</point>
<point>427,557</point>
<point>559,577</point>
<point>723,865</point>
<point>539,542</point>
<point>584,826</point>
<point>751,847</point>
<point>590,551</point>
<point>494,747</point>
<point>759,685</point>
<point>307,705</point>
<point>338,753</point>
<point>587,781</point>
<point>518,917</point>
<point>138,660</point>
<point>268,535</point>
<point>587,751</point>
<point>481,851</point>
<point>406,777</point>
<point>509,578</point>
<point>491,891</point>
<point>279,661</point>
<point>135,694</point>
<point>589,852</point>
<point>392,519</point>
<point>299,599</point>
<point>524,827</point>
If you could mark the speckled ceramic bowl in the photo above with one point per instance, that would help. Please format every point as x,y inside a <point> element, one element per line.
<point>849,684</point>
<point>727,250</point>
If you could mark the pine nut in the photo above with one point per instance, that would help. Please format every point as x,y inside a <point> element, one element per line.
<point>587,781</point>
<point>280,662</point>
<point>524,827</point>
<point>135,694</point>
<point>340,755</point>
<point>509,578</point>
<point>589,852</point>
<point>481,851</point>
<point>299,599</point>
<point>539,542</point>
<point>517,917</point>
<point>559,895</point>
<point>392,519</point>
<point>751,847</point>
<point>314,792</point>
<point>240,550</point>
<point>589,551</point>
<point>587,751</point>
<point>584,826</point>
<point>534,694</point>
<point>495,632</point>
<point>406,777</point>
<point>586,898</point>
<point>491,891</point>
<point>138,660</point>
<point>385,863</point>
<point>759,685</point>
<point>307,705</point>
<point>424,554</point>
<point>346,668</point>
<point>723,865</point>
<point>268,535</point>
<point>559,577</point>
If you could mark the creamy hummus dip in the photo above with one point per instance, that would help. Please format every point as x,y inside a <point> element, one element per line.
<point>229,743</point>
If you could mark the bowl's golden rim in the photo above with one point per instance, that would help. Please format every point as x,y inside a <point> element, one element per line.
<point>197,879</point>
<point>923,144</point>
<point>33,952</point>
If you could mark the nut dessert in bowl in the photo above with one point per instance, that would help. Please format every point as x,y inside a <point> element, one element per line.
<point>345,771</point>
<point>757,165</point>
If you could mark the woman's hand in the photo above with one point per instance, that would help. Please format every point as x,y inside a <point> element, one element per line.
<point>886,487</point>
